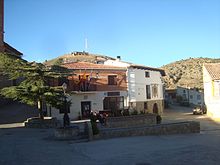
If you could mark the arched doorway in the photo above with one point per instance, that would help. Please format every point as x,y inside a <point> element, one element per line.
<point>155,108</point>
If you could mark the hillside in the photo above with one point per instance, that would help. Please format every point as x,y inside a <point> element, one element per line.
<point>78,57</point>
<point>186,73</point>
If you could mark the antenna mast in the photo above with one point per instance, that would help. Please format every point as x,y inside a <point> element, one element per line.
<point>86,45</point>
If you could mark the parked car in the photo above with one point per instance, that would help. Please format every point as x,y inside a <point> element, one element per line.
<point>199,110</point>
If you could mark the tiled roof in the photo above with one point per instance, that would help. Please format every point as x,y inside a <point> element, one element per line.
<point>87,65</point>
<point>162,72</point>
<point>11,50</point>
<point>213,70</point>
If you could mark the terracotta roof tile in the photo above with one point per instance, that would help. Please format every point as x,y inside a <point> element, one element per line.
<point>87,65</point>
<point>213,70</point>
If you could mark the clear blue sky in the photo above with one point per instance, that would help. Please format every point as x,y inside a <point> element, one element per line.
<point>147,32</point>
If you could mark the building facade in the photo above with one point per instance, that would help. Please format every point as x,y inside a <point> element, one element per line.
<point>95,87</point>
<point>211,81</point>
<point>191,96</point>
<point>145,87</point>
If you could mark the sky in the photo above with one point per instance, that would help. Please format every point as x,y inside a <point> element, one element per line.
<point>146,32</point>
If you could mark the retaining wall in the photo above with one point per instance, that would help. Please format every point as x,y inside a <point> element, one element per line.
<point>130,121</point>
<point>36,122</point>
<point>161,129</point>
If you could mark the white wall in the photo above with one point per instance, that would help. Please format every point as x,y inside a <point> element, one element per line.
<point>117,63</point>
<point>137,84</point>
<point>95,98</point>
<point>207,82</point>
<point>191,95</point>
<point>212,100</point>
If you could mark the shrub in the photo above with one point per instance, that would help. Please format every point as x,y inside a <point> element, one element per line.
<point>95,129</point>
<point>135,112</point>
<point>142,112</point>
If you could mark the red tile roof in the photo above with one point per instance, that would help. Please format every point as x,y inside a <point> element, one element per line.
<point>9,49</point>
<point>87,65</point>
<point>213,70</point>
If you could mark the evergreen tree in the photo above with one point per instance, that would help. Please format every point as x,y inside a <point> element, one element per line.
<point>34,87</point>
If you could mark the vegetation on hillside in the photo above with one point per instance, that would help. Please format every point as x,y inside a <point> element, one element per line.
<point>186,73</point>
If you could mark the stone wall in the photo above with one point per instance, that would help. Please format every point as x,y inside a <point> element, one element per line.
<point>129,121</point>
<point>79,131</point>
<point>36,122</point>
<point>161,129</point>
<point>140,106</point>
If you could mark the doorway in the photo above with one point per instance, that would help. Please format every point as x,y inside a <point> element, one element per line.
<point>155,108</point>
<point>85,109</point>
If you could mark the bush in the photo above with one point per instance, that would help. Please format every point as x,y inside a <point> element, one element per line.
<point>95,129</point>
<point>135,112</point>
<point>142,112</point>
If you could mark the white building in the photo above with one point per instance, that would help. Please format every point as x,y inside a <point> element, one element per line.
<point>190,95</point>
<point>211,81</point>
<point>145,87</point>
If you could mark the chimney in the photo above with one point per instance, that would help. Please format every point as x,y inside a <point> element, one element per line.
<point>1,25</point>
<point>118,58</point>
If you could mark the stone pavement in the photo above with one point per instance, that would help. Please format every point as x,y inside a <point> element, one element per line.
<point>23,146</point>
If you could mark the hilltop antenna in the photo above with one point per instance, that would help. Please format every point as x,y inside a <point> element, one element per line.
<point>86,45</point>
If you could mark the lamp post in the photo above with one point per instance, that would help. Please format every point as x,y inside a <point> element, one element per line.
<point>188,93</point>
<point>66,119</point>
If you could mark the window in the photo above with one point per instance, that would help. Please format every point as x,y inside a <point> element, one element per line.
<point>155,90</point>
<point>114,104</point>
<point>191,96</point>
<point>113,93</point>
<point>62,80</point>
<point>147,74</point>
<point>112,80</point>
<point>184,97</point>
<point>145,105</point>
<point>198,97</point>
<point>148,93</point>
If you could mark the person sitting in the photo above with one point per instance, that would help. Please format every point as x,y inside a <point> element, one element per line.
<point>101,119</point>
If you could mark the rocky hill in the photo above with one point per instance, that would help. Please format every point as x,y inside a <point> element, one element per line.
<point>78,57</point>
<point>186,73</point>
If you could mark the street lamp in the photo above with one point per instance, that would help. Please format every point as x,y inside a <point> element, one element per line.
<point>66,119</point>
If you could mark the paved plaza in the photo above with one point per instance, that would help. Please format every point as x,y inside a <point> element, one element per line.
<point>22,146</point>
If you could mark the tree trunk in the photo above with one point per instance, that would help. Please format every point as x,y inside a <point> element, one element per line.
<point>39,107</point>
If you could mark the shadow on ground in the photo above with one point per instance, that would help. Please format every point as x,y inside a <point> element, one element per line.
<point>16,112</point>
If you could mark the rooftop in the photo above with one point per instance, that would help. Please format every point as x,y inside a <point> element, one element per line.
<point>213,70</point>
<point>87,65</point>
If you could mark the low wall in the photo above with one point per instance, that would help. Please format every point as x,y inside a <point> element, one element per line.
<point>150,104</point>
<point>36,122</point>
<point>160,129</point>
<point>67,133</point>
<point>79,131</point>
<point>130,121</point>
